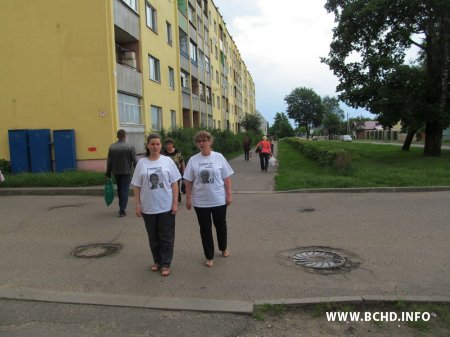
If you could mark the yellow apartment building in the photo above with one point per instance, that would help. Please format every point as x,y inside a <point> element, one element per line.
<point>95,66</point>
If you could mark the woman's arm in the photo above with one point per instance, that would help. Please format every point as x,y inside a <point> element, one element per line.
<point>137,200</point>
<point>188,185</point>
<point>175,197</point>
<point>228,197</point>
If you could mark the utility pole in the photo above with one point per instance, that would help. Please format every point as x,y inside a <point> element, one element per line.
<point>348,126</point>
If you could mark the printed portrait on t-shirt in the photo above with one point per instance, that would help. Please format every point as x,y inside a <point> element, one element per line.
<point>206,173</point>
<point>155,179</point>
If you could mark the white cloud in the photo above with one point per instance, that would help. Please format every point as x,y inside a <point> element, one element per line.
<point>281,43</point>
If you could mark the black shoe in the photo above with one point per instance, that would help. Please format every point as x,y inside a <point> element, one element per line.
<point>122,214</point>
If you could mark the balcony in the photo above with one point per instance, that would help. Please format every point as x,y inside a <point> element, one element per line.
<point>129,80</point>
<point>128,22</point>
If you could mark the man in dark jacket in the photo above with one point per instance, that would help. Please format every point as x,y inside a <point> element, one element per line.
<point>121,161</point>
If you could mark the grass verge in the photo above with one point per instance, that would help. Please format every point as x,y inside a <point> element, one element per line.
<point>65,179</point>
<point>373,165</point>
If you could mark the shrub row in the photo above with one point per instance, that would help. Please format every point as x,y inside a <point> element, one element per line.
<point>225,142</point>
<point>338,159</point>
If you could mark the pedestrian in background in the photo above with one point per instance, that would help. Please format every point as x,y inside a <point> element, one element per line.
<point>155,183</point>
<point>246,145</point>
<point>121,161</point>
<point>177,157</point>
<point>264,154</point>
<point>208,190</point>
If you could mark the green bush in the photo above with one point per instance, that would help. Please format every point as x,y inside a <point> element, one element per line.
<point>5,167</point>
<point>339,159</point>
<point>225,142</point>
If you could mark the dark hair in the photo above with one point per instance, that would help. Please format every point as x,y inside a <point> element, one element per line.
<point>121,134</point>
<point>149,138</point>
<point>169,141</point>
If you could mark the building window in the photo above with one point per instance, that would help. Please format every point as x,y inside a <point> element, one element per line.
<point>151,17</point>
<point>156,118</point>
<point>207,64</point>
<point>132,4</point>
<point>155,74</point>
<point>171,78</point>
<point>191,15</point>
<point>201,59</point>
<point>184,47</point>
<point>129,109</point>
<point>184,80</point>
<point>202,91</point>
<point>193,52</point>
<point>208,95</point>
<point>169,33</point>
<point>173,119</point>
<point>206,35</point>
<point>218,102</point>
<point>194,85</point>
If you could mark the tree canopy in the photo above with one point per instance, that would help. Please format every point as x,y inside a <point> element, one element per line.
<point>252,123</point>
<point>333,116</point>
<point>368,53</point>
<point>281,126</point>
<point>305,108</point>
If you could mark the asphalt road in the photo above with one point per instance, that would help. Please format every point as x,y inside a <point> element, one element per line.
<point>396,245</point>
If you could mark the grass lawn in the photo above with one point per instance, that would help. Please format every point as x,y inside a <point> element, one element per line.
<point>66,179</point>
<point>373,165</point>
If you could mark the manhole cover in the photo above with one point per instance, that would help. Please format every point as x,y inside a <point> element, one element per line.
<point>319,259</point>
<point>97,250</point>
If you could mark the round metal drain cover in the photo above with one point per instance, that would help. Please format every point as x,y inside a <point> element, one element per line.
<point>319,259</point>
<point>97,250</point>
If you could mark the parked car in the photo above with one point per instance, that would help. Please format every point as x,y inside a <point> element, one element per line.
<point>346,138</point>
<point>315,138</point>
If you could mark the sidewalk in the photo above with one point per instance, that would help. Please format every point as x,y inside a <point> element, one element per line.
<point>396,243</point>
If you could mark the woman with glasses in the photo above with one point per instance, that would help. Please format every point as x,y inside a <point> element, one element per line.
<point>208,190</point>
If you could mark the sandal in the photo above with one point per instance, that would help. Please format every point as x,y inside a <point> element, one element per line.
<point>225,253</point>
<point>209,263</point>
<point>165,271</point>
<point>155,267</point>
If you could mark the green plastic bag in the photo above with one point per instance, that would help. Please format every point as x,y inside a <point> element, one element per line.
<point>109,192</point>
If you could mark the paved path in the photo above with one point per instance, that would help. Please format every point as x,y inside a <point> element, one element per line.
<point>396,243</point>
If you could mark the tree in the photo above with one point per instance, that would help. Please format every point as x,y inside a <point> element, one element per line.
<point>305,108</point>
<point>252,123</point>
<point>368,49</point>
<point>281,126</point>
<point>333,116</point>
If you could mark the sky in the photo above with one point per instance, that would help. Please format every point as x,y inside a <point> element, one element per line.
<point>281,43</point>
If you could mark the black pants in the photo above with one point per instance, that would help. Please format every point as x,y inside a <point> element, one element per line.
<point>264,161</point>
<point>218,215</point>
<point>161,236</point>
<point>246,154</point>
<point>123,189</point>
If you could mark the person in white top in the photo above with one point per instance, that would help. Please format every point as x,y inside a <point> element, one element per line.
<point>155,184</point>
<point>208,190</point>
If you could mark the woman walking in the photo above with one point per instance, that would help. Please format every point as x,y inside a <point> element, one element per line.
<point>264,154</point>
<point>155,182</point>
<point>208,190</point>
<point>177,157</point>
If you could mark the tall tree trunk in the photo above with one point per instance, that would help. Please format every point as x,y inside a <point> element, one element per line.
<point>433,139</point>
<point>408,140</point>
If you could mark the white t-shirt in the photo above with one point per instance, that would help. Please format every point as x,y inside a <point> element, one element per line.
<point>207,175</point>
<point>155,179</point>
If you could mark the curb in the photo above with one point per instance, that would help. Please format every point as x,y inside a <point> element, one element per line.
<point>98,190</point>
<point>132,301</point>
<point>203,305</point>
